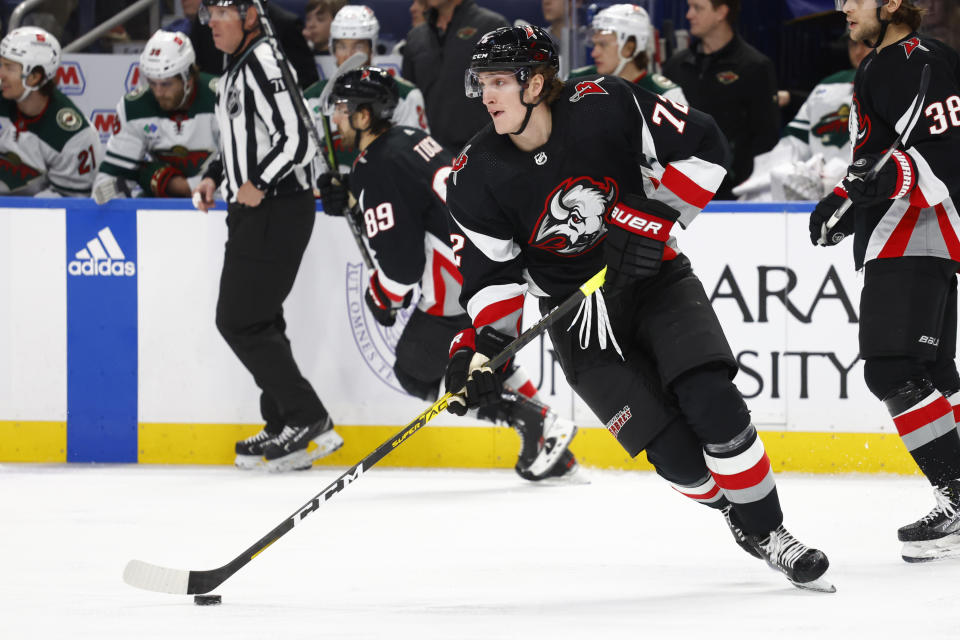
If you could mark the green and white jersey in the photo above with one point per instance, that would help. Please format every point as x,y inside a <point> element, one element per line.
<point>144,134</point>
<point>55,153</point>
<point>821,122</point>
<point>652,82</point>
<point>410,112</point>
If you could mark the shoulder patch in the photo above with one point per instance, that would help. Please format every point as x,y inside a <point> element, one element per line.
<point>586,88</point>
<point>213,83</point>
<point>662,81</point>
<point>137,93</point>
<point>69,119</point>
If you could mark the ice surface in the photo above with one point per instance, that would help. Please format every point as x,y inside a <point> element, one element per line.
<point>452,554</point>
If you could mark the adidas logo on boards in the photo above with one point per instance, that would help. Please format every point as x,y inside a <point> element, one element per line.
<point>102,257</point>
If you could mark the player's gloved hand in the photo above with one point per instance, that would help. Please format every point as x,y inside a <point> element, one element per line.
<point>822,213</point>
<point>467,372</point>
<point>381,302</point>
<point>894,180</point>
<point>637,232</point>
<point>155,176</point>
<point>334,193</point>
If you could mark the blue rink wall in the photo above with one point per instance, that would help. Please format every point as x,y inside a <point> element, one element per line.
<point>108,350</point>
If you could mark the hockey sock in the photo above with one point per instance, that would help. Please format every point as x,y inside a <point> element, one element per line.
<point>925,421</point>
<point>741,468</point>
<point>705,492</point>
<point>519,381</point>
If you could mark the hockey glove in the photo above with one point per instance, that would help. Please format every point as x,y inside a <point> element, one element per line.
<point>822,213</point>
<point>334,193</point>
<point>467,373</point>
<point>155,176</point>
<point>637,232</point>
<point>382,304</point>
<point>894,180</point>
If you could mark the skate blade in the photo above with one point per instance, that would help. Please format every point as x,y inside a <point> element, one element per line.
<point>930,550</point>
<point>820,585</point>
<point>545,460</point>
<point>321,446</point>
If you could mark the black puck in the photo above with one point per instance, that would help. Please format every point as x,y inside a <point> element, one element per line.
<point>204,601</point>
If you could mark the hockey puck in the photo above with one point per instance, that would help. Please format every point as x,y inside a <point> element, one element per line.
<point>205,601</point>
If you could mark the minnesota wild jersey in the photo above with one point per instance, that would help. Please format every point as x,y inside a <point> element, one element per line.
<point>54,153</point>
<point>144,135</point>
<point>822,121</point>
<point>410,112</point>
<point>652,82</point>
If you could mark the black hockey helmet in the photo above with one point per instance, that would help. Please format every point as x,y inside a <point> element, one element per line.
<point>203,14</point>
<point>517,49</point>
<point>370,86</point>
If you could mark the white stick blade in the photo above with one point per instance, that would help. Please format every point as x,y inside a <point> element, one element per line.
<point>144,575</point>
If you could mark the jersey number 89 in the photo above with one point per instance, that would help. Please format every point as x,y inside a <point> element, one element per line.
<point>379,219</point>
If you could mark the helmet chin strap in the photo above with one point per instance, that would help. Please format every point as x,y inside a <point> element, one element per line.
<point>530,107</point>
<point>883,31</point>
<point>246,34</point>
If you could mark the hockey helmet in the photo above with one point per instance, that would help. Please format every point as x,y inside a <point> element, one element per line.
<point>167,54</point>
<point>32,47</point>
<point>204,14</point>
<point>517,49</point>
<point>370,86</point>
<point>624,20</point>
<point>355,22</point>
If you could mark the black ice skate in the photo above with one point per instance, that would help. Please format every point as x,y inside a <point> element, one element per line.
<point>298,447</point>
<point>738,535</point>
<point>803,566</point>
<point>544,439</point>
<point>937,534</point>
<point>250,451</point>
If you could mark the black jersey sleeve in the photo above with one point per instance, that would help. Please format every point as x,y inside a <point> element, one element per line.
<point>684,143</point>
<point>491,259</point>
<point>934,141</point>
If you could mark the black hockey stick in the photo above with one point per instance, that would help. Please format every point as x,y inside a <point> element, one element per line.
<point>911,122</point>
<point>300,106</point>
<point>151,577</point>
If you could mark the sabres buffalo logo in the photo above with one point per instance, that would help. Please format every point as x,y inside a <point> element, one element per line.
<point>586,88</point>
<point>573,216</point>
<point>860,126</point>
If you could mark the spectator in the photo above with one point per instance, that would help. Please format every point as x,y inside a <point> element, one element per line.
<point>437,55</point>
<point>319,15</point>
<point>166,133</point>
<point>555,14</point>
<point>185,24</point>
<point>51,16</point>
<point>418,13</point>
<point>289,30</point>
<point>47,147</point>
<point>724,76</point>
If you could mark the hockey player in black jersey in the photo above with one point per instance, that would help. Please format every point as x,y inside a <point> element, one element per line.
<point>907,240</point>
<point>550,192</point>
<point>399,182</point>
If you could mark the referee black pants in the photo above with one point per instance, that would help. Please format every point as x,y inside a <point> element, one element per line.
<point>265,245</point>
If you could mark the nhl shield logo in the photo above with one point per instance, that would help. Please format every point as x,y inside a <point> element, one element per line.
<point>586,88</point>
<point>572,221</point>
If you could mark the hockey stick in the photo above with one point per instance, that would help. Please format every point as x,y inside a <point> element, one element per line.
<point>300,105</point>
<point>918,107</point>
<point>151,577</point>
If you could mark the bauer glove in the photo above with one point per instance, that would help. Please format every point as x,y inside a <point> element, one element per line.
<point>382,304</point>
<point>467,373</point>
<point>334,193</point>
<point>894,180</point>
<point>637,232</point>
<point>823,212</point>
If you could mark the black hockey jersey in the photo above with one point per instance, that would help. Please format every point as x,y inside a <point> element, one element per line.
<point>399,181</point>
<point>925,221</point>
<point>536,220</point>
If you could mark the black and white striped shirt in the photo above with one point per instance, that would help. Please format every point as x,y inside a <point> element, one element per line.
<point>262,139</point>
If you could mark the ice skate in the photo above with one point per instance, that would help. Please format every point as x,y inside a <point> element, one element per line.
<point>544,438</point>
<point>937,534</point>
<point>298,447</point>
<point>738,535</point>
<point>803,566</point>
<point>250,450</point>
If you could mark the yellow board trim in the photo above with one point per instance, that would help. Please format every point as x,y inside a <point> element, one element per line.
<point>496,447</point>
<point>33,441</point>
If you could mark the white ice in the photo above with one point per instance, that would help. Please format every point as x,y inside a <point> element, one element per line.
<point>452,554</point>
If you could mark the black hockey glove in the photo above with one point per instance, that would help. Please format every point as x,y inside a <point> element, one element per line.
<point>894,180</point>
<point>381,303</point>
<point>467,371</point>
<point>637,232</point>
<point>822,213</point>
<point>334,193</point>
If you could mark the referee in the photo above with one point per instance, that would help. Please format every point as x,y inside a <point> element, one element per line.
<point>264,176</point>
